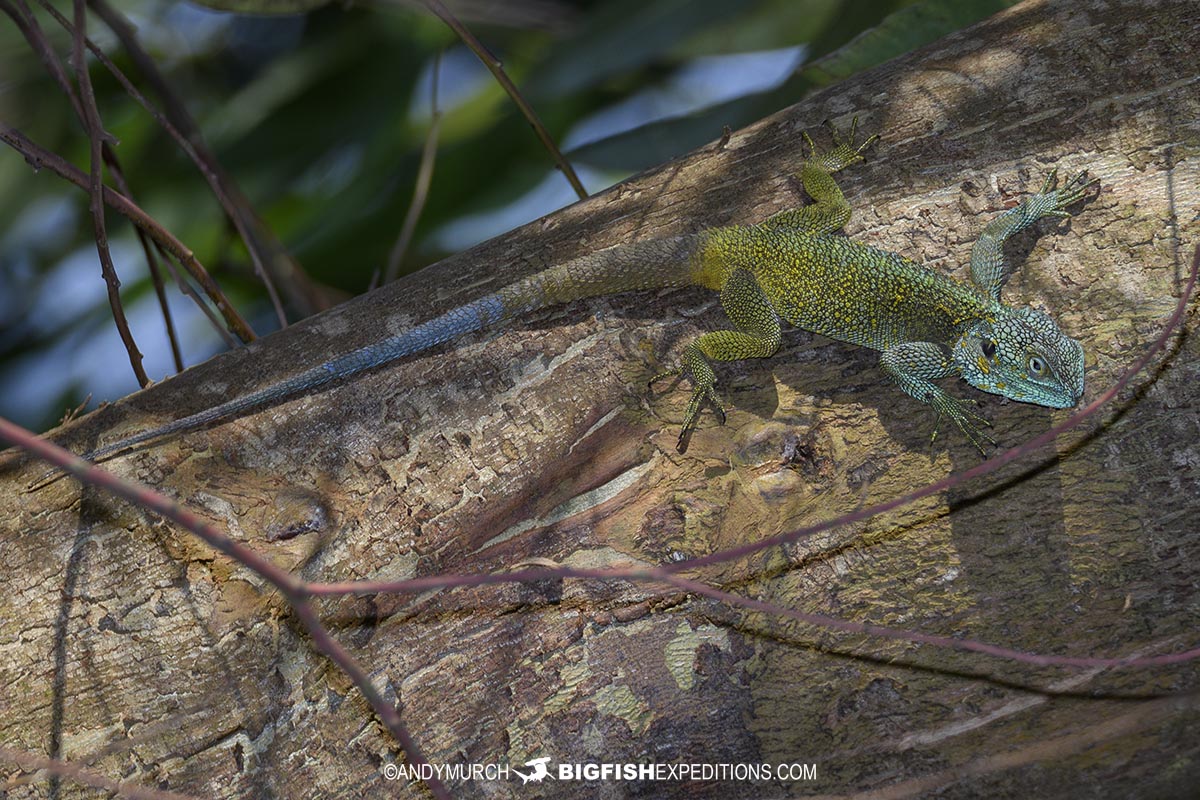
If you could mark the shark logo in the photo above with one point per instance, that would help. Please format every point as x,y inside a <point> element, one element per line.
<point>538,773</point>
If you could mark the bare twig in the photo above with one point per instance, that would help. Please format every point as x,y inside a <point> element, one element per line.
<point>164,306</point>
<point>421,187</point>
<point>37,40</point>
<point>96,135</point>
<point>32,762</point>
<point>156,278</point>
<point>122,186</point>
<point>294,589</point>
<point>667,575</point>
<point>191,145</point>
<point>497,69</point>
<point>262,244</point>
<point>38,157</point>
<point>185,287</point>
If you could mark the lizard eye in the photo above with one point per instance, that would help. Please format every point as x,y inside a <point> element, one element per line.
<point>989,348</point>
<point>1037,366</point>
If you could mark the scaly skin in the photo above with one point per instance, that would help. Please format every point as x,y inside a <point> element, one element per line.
<point>791,268</point>
<point>927,325</point>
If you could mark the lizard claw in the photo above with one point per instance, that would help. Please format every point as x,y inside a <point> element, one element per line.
<point>844,152</point>
<point>1052,200</point>
<point>971,424</point>
<point>1074,190</point>
<point>978,437</point>
<point>703,393</point>
<point>847,141</point>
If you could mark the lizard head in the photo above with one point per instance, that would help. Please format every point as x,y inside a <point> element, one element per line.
<point>1023,355</point>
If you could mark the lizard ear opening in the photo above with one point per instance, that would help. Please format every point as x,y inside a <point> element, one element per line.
<point>974,351</point>
<point>982,339</point>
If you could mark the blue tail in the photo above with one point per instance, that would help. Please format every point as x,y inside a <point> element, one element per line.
<point>654,263</point>
<point>454,323</point>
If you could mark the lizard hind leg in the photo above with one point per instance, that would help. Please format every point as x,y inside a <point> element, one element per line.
<point>756,335</point>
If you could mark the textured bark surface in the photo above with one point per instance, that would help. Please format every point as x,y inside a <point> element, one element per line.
<point>128,648</point>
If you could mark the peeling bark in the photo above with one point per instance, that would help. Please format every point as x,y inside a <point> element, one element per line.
<point>128,648</point>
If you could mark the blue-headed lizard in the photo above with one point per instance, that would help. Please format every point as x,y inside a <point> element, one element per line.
<point>790,268</point>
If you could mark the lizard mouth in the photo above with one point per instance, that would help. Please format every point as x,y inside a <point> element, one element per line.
<point>1076,395</point>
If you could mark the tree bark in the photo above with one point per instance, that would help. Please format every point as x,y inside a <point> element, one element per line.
<point>128,648</point>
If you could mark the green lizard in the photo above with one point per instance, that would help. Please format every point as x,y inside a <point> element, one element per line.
<point>789,268</point>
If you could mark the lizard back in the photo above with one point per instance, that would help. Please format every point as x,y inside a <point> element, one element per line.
<point>844,289</point>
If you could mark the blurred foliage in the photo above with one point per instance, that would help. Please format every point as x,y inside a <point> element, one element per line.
<point>320,120</point>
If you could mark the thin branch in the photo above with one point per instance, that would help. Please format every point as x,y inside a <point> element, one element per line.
<point>294,589</point>
<point>185,287</point>
<point>267,259</point>
<point>156,279</point>
<point>37,40</point>
<point>38,157</point>
<point>160,293</point>
<point>205,164</point>
<point>32,762</point>
<point>497,69</point>
<point>421,187</point>
<point>96,135</point>
<point>666,574</point>
<point>916,637</point>
<point>122,186</point>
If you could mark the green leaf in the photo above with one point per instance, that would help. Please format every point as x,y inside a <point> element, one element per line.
<point>265,7</point>
<point>904,30</point>
<point>622,36</point>
<point>768,25</point>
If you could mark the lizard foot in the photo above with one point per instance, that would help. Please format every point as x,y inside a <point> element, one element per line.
<point>844,152</point>
<point>1052,201</point>
<point>971,424</point>
<point>704,392</point>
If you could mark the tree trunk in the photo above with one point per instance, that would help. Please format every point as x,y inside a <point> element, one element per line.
<point>129,649</point>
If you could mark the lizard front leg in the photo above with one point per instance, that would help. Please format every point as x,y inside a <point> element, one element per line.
<point>987,256</point>
<point>914,366</point>
<point>830,211</point>
<point>757,335</point>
